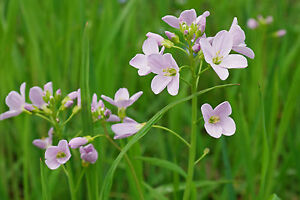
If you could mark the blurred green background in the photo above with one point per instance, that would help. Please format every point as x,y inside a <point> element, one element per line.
<point>40,41</point>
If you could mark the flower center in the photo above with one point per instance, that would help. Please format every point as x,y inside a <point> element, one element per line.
<point>217,59</point>
<point>60,155</point>
<point>214,119</point>
<point>169,71</point>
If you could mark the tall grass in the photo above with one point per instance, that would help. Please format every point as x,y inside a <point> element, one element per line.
<point>41,41</point>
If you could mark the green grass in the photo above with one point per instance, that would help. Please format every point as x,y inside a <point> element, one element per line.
<point>43,41</point>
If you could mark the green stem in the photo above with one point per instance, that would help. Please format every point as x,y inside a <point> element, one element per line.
<point>70,117</point>
<point>192,150</point>
<point>185,81</point>
<point>138,185</point>
<point>44,117</point>
<point>181,49</point>
<point>173,132</point>
<point>79,179</point>
<point>71,184</point>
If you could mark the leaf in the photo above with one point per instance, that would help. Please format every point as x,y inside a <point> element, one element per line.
<point>274,197</point>
<point>164,164</point>
<point>154,193</point>
<point>105,190</point>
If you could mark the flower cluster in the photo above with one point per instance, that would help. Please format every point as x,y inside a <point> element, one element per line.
<point>261,21</point>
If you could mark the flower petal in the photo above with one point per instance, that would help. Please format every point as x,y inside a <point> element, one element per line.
<point>22,90</point>
<point>138,61</point>
<point>238,35</point>
<point>136,96</point>
<point>14,101</point>
<point>213,130</point>
<point>52,163</point>
<point>207,112</point>
<point>9,114</point>
<point>246,51</point>
<point>207,49</point>
<point>173,86</point>
<point>108,99</point>
<point>170,60</point>
<point>234,61</point>
<point>221,71</point>
<point>228,126</point>
<point>150,46</point>
<point>40,143</point>
<point>51,152</point>
<point>157,63</point>
<point>122,94</point>
<point>158,38</point>
<point>48,87</point>
<point>222,43</point>
<point>171,20</point>
<point>159,82</point>
<point>36,96</point>
<point>223,109</point>
<point>123,130</point>
<point>113,118</point>
<point>188,16</point>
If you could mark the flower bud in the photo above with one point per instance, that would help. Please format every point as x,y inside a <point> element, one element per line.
<point>172,36</point>
<point>88,153</point>
<point>167,43</point>
<point>77,142</point>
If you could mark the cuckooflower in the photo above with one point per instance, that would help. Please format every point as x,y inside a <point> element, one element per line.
<point>158,38</point>
<point>38,96</point>
<point>16,103</point>
<point>238,36</point>
<point>88,153</point>
<point>77,142</point>
<point>57,155</point>
<point>186,19</point>
<point>217,121</point>
<point>167,72</point>
<point>122,100</point>
<point>44,143</point>
<point>217,54</point>
<point>252,23</point>
<point>140,61</point>
<point>280,33</point>
<point>99,111</point>
<point>127,128</point>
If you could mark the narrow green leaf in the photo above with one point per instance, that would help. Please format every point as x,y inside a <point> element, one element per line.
<point>274,197</point>
<point>154,193</point>
<point>142,132</point>
<point>164,164</point>
<point>44,186</point>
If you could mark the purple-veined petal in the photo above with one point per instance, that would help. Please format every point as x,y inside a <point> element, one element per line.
<point>28,107</point>
<point>223,109</point>
<point>207,112</point>
<point>9,114</point>
<point>213,130</point>
<point>88,153</point>
<point>77,142</point>
<point>108,99</point>
<point>238,35</point>
<point>138,61</point>
<point>22,90</point>
<point>157,63</point>
<point>36,96</point>
<point>207,49</point>
<point>123,130</point>
<point>188,16</point>
<point>228,126</point>
<point>144,71</point>
<point>171,20</point>
<point>136,96</point>
<point>48,87</point>
<point>221,71</point>
<point>51,152</point>
<point>158,38</point>
<point>52,163</point>
<point>94,103</point>
<point>123,103</point>
<point>14,101</point>
<point>40,143</point>
<point>122,94</point>
<point>222,43</point>
<point>64,147</point>
<point>113,118</point>
<point>169,34</point>
<point>159,82</point>
<point>234,61</point>
<point>150,46</point>
<point>173,86</point>
<point>171,61</point>
<point>246,51</point>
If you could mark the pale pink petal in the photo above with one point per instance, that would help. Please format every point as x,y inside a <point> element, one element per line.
<point>157,63</point>
<point>213,130</point>
<point>22,90</point>
<point>223,109</point>
<point>228,126</point>
<point>234,61</point>
<point>173,86</point>
<point>123,130</point>
<point>170,60</point>
<point>122,94</point>
<point>136,96</point>
<point>221,72</point>
<point>171,20</point>
<point>222,43</point>
<point>36,96</point>
<point>40,143</point>
<point>48,87</point>
<point>113,118</point>
<point>52,164</point>
<point>246,51</point>
<point>51,152</point>
<point>252,23</point>
<point>188,16</point>
<point>138,61</point>
<point>144,71</point>
<point>207,49</point>
<point>150,46</point>
<point>207,111</point>
<point>108,99</point>
<point>14,101</point>
<point>77,142</point>
<point>123,103</point>
<point>159,82</point>
<point>158,38</point>
<point>9,114</point>
<point>238,35</point>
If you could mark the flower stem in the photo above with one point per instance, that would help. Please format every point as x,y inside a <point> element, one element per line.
<point>192,150</point>
<point>173,132</point>
<point>71,184</point>
<point>138,185</point>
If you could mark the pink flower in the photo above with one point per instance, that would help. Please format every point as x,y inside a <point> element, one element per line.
<point>57,155</point>
<point>238,36</point>
<point>252,23</point>
<point>77,142</point>
<point>16,103</point>
<point>280,33</point>
<point>186,19</point>
<point>88,153</point>
<point>167,72</point>
<point>125,129</point>
<point>140,61</point>
<point>170,35</point>
<point>36,95</point>
<point>217,54</point>
<point>99,111</point>
<point>159,39</point>
<point>44,143</point>
<point>69,100</point>
<point>122,99</point>
<point>217,121</point>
